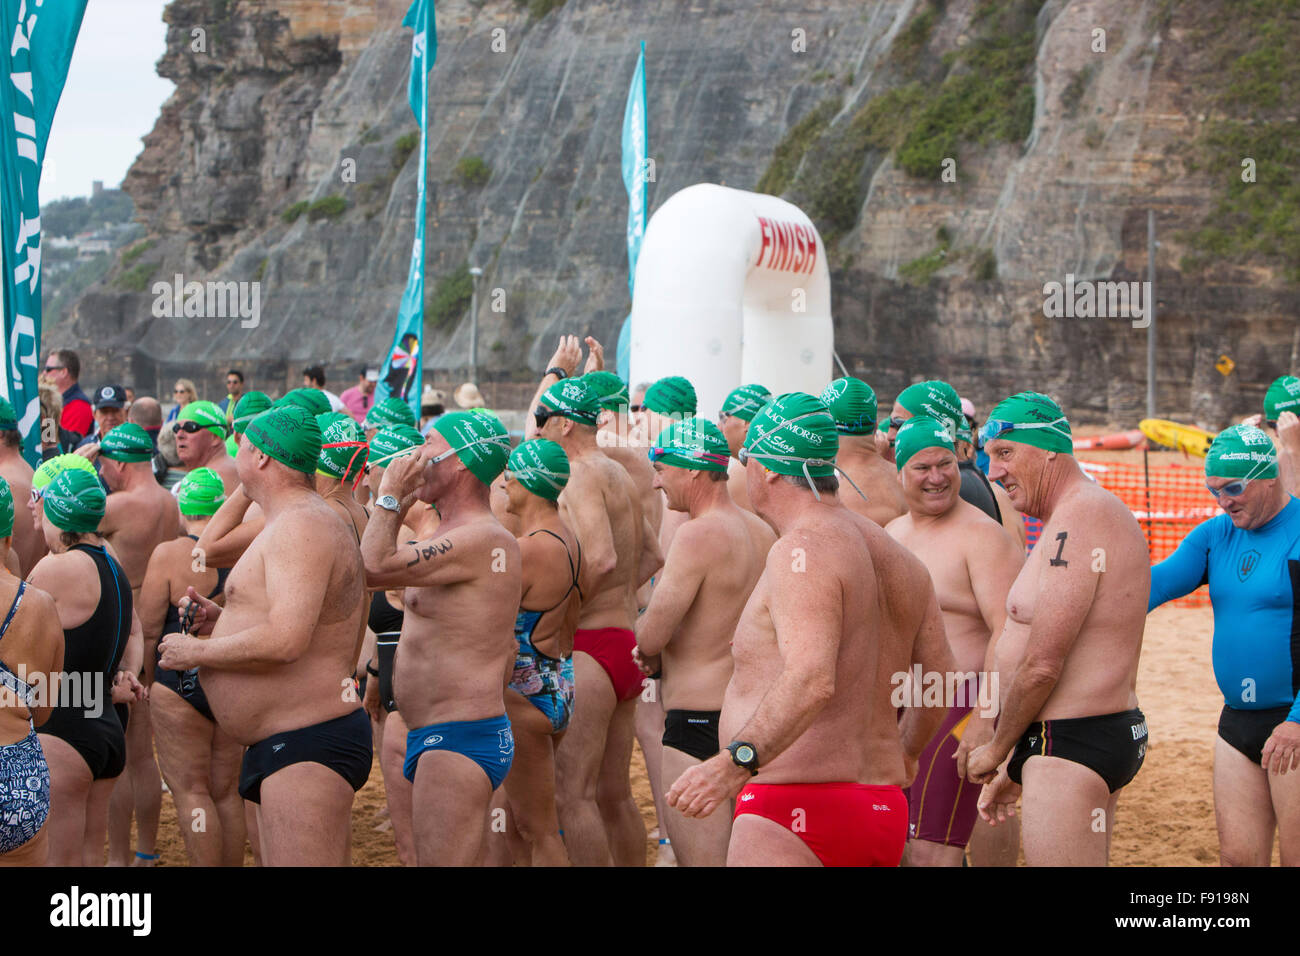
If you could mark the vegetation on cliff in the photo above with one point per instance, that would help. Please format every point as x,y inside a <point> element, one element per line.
<point>1250,143</point>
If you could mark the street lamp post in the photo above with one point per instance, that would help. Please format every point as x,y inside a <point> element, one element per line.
<point>474,272</point>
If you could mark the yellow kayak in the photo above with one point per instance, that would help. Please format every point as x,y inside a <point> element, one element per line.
<point>1185,438</point>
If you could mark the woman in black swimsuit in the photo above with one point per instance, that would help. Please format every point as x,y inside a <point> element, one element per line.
<point>83,739</point>
<point>199,761</point>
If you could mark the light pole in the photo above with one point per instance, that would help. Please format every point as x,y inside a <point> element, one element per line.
<point>474,272</point>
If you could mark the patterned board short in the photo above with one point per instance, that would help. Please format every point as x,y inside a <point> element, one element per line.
<point>24,792</point>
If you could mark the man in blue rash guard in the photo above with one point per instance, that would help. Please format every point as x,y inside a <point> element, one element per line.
<point>1250,557</point>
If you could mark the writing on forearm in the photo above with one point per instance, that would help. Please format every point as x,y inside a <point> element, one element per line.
<point>430,551</point>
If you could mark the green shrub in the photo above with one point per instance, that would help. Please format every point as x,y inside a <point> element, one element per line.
<point>473,172</point>
<point>136,251</point>
<point>328,207</point>
<point>790,151</point>
<point>137,278</point>
<point>451,297</point>
<point>984,266</point>
<point>291,214</point>
<point>404,147</point>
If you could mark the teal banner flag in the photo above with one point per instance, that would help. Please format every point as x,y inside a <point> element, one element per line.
<point>636,179</point>
<point>36,41</point>
<point>401,376</point>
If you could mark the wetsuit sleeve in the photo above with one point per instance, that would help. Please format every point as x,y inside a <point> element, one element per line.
<point>1183,571</point>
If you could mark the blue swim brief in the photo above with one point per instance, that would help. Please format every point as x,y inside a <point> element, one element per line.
<point>488,742</point>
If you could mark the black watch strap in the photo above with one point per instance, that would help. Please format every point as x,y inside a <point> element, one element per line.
<point>557,372</point>
<point>744,755</point>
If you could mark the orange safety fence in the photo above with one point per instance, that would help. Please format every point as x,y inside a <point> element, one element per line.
<point>1168,500</point>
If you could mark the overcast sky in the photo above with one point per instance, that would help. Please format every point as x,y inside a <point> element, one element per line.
<point>111,100</point>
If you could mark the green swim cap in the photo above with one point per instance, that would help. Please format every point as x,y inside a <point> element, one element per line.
<point>480,441</point>
<point>6,509</point>
<point>48,470</point>
<point>391,411</point>
<point>200,493</point>
<point>74,501</point>
<point>574,399</point>
<point>964,432</point>
<point>391,442</point>
<point>694,443</point>
<point>1242,451</point>
<point>853,403</point>
<point>921,431</point>
<point>794,434</point>
<point>127,442</point>
<point>611,391</point>
<point>343,449</point>
<point>206,414</point>
<point>289,434</point>
<point>249,406</point>
<point>541,466</point>
<point>1282,396</point>
<point>8,418</point>
<point>673,395</point>
<point>312,400</point>
<point>934,398</point>
<point>1030,418</point>
<point>745,401</point>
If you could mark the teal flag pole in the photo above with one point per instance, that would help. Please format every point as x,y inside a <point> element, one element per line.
<point>402,375</point>
<point>635,179</point>
<point>36,43</point>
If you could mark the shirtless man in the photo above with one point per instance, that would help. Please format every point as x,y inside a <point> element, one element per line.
<point>839,609</point>
<point>1281,408</point>
<point>853,403</point>
<point>1067,657</point>
<point>341,465</point>
<point>939,400</point>
<point>457,648</point>
<point>972,564</point>
<point>738,410</point>
<point>715,561</point>
<point>277,667</point>
<point>28,544</point>
<point>669,400</point>
<point>139,515</point>
<point>200,431</point>
<point>600,503</point>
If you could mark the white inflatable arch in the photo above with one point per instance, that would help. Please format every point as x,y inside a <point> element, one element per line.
<point>732,287</point>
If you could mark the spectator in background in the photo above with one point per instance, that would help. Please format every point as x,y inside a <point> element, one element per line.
<point>234,391</point>
<point>313,376</point>
<point>110,411</point>
<point>433,405</point>
<point>130,396</point>
<point>147,413</point>
<point>184,393</point>
<point>360,398</point>
<point>62,369</point>
<point>55,439</point>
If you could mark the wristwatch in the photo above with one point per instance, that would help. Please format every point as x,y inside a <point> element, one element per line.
<point>744,755</point>
<point>557,372</point>
<point>388,503</point>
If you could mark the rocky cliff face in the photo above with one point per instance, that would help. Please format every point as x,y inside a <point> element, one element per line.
<point>297,102</point>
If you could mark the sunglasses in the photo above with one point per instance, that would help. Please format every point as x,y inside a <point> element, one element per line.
<point>541,415</point>
<point>636,408</point>
<point>54,368</point>
<point>188,427</point>
<point>897,422</point>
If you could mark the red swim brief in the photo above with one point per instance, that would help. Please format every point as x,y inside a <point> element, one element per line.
<point>844,824</point>
<point>612,648</point>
